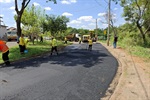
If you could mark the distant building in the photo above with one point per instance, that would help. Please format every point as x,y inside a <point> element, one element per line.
<point>11,33</point>
<point>11,29</point>
<point>3,31</point>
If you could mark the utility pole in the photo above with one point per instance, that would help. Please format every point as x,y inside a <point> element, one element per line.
<point>96,26</point>
<point>0,20</point>
<point>108,33</point>
<point>96,30</point>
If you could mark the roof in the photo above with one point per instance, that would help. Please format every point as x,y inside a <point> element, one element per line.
<point>11,28</point>
<point>3,26</point>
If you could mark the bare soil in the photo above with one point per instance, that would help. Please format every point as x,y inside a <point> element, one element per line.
<point>132,81</point>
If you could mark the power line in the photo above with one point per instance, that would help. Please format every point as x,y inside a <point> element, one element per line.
<point>106,1</point>
<point>98,2</point>
<point>101,4</point>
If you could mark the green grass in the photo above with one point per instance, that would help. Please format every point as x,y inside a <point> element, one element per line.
<point>33,50</point>
<point>139,51</point>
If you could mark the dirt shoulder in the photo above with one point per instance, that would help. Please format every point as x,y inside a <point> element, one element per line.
<point>132,81</point>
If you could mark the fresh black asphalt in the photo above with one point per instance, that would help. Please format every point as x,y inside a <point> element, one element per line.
<point>74,74</point>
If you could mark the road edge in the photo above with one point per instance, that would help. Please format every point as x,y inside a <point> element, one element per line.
<point>115,84</point>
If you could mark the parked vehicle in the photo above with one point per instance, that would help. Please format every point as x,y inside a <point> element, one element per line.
<point>85,38</point>
<point>12,35</point>
<point>73,37</point>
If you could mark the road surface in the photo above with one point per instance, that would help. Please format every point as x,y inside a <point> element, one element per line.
<point>12,43</point>
<point>75,74</point>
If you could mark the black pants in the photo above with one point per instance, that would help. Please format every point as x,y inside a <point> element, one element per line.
<point>22,48</point>
<point>54,48</point>
<point>65,42</point>
<point>90,47</point>
<point>6,58</point>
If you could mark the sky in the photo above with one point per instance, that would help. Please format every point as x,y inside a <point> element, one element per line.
<point>82,13</point>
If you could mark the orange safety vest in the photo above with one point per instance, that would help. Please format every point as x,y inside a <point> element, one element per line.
<point>3,47</point>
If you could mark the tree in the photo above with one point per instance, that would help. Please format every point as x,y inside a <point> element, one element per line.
<point>147,18</point>
<point>55,24</point>
<point>135,12</point>
<point>24,4</point>
<point>112,20</point>
<point>32,19</point>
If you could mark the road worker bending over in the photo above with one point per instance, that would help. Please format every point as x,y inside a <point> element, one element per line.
<point>90,42</point>
<point>5,52</point>
<point>54,45</point>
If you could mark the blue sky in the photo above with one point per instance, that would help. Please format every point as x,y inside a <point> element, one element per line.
<point>82,13</point>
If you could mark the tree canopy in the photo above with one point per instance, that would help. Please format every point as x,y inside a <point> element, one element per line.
<point>137,12</point>
<point>18,17</point>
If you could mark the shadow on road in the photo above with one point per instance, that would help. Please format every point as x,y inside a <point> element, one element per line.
<point>72,58</point>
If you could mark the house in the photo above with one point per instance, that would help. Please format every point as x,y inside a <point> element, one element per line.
<point>11,29</point>
<point>12,33</point>
<point>3,31</point>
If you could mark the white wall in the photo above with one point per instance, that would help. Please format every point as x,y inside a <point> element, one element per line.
<point>3,30</point>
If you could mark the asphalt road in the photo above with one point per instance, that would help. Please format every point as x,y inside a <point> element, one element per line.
<point>75,74</point>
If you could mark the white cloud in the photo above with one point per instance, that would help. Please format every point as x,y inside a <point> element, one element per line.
<point>99,19</point>
<point>36,4</point>
<point>75,22</point>
<point>73,1</point>
<point>114,16</point>
<point>105,25</point>
<point>1,15</point>
<point>65,2</point>
<point>115,8</point>
<point>85,18</point>
<point>6,1</point>
<point>67,14</point>
<point>92,24</point>
<point>68,1</point>
<point>14,12</point>
<point>84,27</point>
<point>47,8</point>
<point>101,14</point>
<point>12,8</point>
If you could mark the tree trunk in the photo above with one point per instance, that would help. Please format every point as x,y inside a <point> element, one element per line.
<point>18,22</point>
<point>144,39</point>
<point>142,33</point>
<point>143,36</point>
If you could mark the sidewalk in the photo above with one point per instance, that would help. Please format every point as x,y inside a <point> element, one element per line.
<point>132,81</point>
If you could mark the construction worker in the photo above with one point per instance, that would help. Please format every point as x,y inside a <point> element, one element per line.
<point>5,52</point>
<point>54,45</point>
<point>90,42</point>
<point>65,40</point>
<point>41,38</point>
<point>22,44</point>
<point>79,40</point>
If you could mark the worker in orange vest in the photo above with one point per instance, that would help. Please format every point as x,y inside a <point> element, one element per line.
<point>5,52</point>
